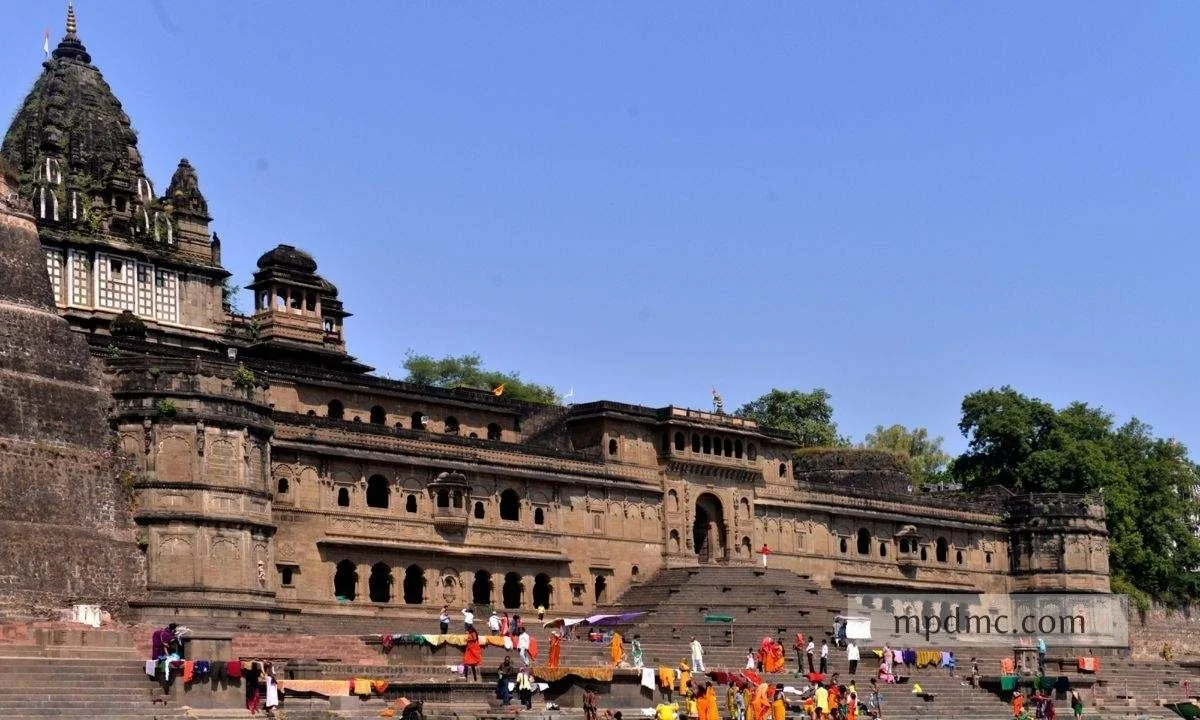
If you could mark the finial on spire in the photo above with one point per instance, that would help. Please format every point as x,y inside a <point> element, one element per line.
<point>70,46</point>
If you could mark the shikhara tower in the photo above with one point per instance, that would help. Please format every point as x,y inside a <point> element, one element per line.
<point>112,243</point>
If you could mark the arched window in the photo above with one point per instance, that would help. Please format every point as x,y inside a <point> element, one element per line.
<point>410,503</point>
<point>345,580</point>
<point>673,541</point>
<point>864,541</point>
<point>744,508</point>
<point>745,545</point>
<point>481,589</point>
<point>680,444</point>
<point>782,470</point>
<point>601,589</point>
<point>612,447</point>
<point>706,445</point>
<point>377,491</point>
<point>343,497</point>
<point>493,431</point>
<point>737,449</point>
<point>924,553</point>
<point>378,415</point>
<point>539,517</point>
<point>672,501</point>
<point>418,420</point>
<point>882,549</point>
<point>451,425</point>
<point>510,506</point>
<point>335,410</point>
<point>283,486</point>
<point>414,585</point>
<point>843,546</point>
<point>443,498</point>
<point>942,550</point>
<point>751,452</point>
<point>379,586</point>
<point>542,591</point>
<point>458,500</point>
<point>695,442</point>
<point>479,511</point>
<point>728,447</point>
<point>987,558</point>
<point>958,557</point>
<point>512,591</point>
<point>634,572</point>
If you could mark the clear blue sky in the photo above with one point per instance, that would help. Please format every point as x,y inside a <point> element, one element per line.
<point>900,202</point>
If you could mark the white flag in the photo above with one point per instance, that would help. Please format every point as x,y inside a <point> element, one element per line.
<point>46,42</point>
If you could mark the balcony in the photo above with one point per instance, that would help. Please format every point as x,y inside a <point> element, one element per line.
<point>449,492</point>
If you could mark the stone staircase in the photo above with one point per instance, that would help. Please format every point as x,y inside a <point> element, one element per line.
<point>100,684</point>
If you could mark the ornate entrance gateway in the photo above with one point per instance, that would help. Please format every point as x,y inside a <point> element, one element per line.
<point>708,530</point>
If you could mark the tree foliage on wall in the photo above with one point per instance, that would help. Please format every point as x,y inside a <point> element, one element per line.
<point>924,457</point>
<point>1148,483</point>
<point>807,416</point>
<point>468,371</point>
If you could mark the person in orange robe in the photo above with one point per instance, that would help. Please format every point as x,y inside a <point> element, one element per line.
<point>1018,703</point>
<point>762,702</point>
<point>710,703</point>
<point>852,707</point>
<point>617,652</point>
<point>472,655</point>
<point>555,649</point>
<point>773,659</point>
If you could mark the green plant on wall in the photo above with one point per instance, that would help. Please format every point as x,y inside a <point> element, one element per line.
<point>243,378</point>
<point>166,407</point>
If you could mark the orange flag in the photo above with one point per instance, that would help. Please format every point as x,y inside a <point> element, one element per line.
<point>498,390</point>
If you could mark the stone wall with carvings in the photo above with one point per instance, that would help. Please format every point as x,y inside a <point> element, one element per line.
<point>199,436</point>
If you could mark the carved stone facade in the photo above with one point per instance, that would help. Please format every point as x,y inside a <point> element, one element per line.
<point>273,474</point>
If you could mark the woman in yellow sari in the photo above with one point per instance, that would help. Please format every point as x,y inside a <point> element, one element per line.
<point>617,651</point>
<point>685,677</point>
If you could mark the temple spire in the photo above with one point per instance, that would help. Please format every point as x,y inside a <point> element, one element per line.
<point>70,46</point>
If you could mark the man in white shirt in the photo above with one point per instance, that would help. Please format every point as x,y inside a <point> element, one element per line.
<point>852,655</point>
<point>824,656</point>
<point>468,619</point>
<point>523,647</point>
<point>697,656</point>
<point>808,652</point>
<point>494,623</point>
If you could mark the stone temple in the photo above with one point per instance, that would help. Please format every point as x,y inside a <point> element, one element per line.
<point>164,456</point>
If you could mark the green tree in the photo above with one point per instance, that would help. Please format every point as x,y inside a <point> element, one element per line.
<point>926,461</point>
<point>808,416</point>
<point>1148,484</point>
<point>468,371</point>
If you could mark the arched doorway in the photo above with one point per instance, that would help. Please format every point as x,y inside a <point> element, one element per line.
<point>512,591</point>
<point>481,589</point>
<point>380,583</point>
<point>708,529</point>
<point>414,585</point>
<point>345,580</point>
<point>541,591</point>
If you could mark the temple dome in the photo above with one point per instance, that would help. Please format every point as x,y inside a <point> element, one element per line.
<point>72,127</point>
<point>286,257</point>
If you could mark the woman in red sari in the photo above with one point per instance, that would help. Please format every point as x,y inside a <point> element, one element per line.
<point>472,655</point>
<point>555,649</point>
